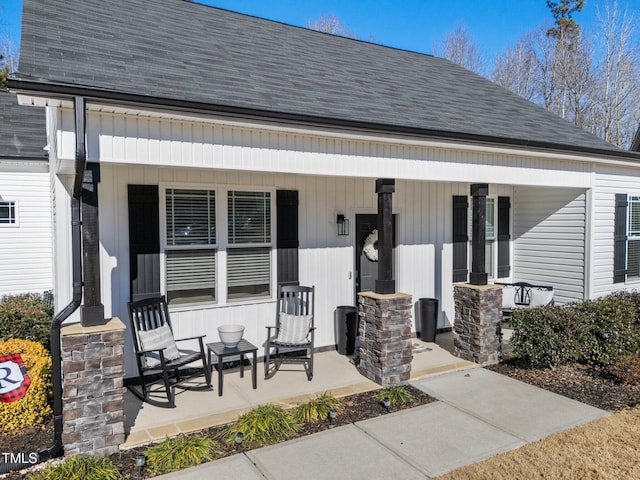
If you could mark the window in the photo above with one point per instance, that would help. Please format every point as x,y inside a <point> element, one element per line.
<point>249,249</point>
<point>633,238</point>
<point>199,245</point>
<point>7,212</point>
<point>490,232</point>
<point>490,235</point>
<point>191,242</point>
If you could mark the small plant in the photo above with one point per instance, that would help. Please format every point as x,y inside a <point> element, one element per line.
<point>27,316</point>
<point>35,407</point>
<point>397,395</point>
<point>180,452</point>
<point>263,425</point>
<point>317,409</point>
<point>80,467</point>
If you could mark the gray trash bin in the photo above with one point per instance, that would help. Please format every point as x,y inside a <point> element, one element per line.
<point>427,316</point>
<point>346,329</point>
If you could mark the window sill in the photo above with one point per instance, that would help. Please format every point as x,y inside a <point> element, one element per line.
<point>190,307</point>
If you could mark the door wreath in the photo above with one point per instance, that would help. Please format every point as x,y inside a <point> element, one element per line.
<point>369,248</point>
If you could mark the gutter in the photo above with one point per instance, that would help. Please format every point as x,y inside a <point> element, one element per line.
<point>76,256</point>
<point>64,91</point>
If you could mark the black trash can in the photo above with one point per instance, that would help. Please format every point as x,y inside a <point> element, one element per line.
<point>346,328</point>
<point>427,317</point>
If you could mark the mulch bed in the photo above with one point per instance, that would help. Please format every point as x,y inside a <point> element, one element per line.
<point>575,381</point>
<point>355,408</point>
<point>579,382</point>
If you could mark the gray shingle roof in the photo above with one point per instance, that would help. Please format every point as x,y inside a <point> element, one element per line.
<point>175,49</point>
<point>22,129</point>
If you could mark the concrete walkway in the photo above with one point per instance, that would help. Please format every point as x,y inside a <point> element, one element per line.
<point>478,414</point>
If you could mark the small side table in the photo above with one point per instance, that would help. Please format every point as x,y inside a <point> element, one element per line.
<point>223,352</point>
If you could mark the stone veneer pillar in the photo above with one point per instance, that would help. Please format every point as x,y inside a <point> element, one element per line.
<point>93,392</point>
<point>478,315</point>
<point>385,337</point>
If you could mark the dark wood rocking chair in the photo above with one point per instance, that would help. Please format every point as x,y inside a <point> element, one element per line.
<point>157,353</point>
<point>291,340</point>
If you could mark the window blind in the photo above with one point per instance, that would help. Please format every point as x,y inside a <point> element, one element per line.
<point>191,217</point>
<point>249,217</point>
<point>248,266</point>
<point>191,270</point>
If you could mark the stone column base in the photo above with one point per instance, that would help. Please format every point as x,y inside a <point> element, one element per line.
<point>478,315</point>
<point>93,392</point>
<point>385,337</point>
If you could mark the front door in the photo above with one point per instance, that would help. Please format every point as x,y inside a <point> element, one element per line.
<point>366,258</point>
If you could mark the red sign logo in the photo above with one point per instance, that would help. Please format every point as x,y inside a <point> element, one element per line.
<point>14,380</point>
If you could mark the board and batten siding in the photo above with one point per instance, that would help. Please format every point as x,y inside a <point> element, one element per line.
<point>549,240</point>
<point>200,143</point>
<point>608,181</point>
<point>326,260</point>
<point>334,173</point>
<point>26,261</point>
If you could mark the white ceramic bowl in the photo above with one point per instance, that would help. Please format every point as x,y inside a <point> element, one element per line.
<point>231,335</point>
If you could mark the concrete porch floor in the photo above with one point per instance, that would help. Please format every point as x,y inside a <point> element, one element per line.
<point>333,373</point>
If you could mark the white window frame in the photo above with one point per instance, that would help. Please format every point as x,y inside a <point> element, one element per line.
<point>13,207</point>
<point>221,246</point>
<point>632,235</point>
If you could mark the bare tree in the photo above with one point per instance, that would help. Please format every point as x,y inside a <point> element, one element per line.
<point>551,67</point>
<point>617,93</point>
<point>8,55</point>
<point>459,47</point>
<point>516,69</point>
<point>330,24</point>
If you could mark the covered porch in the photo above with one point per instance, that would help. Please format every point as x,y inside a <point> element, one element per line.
<point>334,373</point>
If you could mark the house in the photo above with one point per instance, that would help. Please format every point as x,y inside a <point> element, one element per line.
<point>231,154</point>
<point>26,258</point>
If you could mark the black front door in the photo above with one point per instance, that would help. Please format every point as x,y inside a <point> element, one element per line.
<point>366,267</point>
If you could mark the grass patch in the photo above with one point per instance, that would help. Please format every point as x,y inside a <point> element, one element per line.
<point>317,409</point>
<point>80,467</point>
<point>397,395</point>
<point>604,449</point>
<point>263,425</point>
<point>180,452</point>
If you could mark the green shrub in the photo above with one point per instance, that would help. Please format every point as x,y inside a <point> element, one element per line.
<point>35,407</point>
<point>397,395</point>
<point>263,425</point>
<point>180,452</point>
<point>546,336</point>
<point>27,316</point>
<point>594,332</point>
<point>80,467</point>
<point>612,328</point>
<point>317,409</point>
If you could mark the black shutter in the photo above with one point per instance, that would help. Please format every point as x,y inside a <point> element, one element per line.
<point>287,236</point>
<point>460,238</point>
<point>504,207</point>
<point>620,239</point>
<point>144,241</point>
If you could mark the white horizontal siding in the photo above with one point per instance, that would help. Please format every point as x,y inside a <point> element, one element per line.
<point>607,183</point>
<point>26,261</point>
<point>549,240</point>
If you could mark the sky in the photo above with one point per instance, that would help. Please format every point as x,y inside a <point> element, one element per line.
<point>416,25</point>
